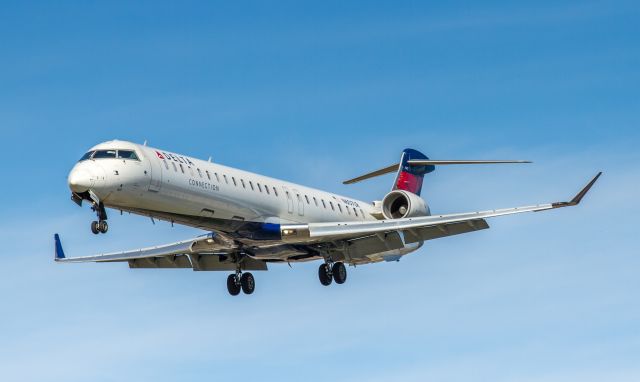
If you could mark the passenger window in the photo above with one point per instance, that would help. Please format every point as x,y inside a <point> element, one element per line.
<point>332,207</point>
<point>339,207</point>
<point>355,211</point>
<point>190,170</point>
<point>127,154</point>
<point>251,184</point>
<point>174,167</point>
<point>243,185</point>
<point>315,201</point>
<point>225,179</point>
<point>166,165</point>
<point>266,188</point>
<point>324,204</point>
<point>348,210</point>
<point>217,177</point>
<point>181,168</point>
<point>208,175</point>
<point>104,154</point>
<point>259,187</point>
<point>307,199</point>
<point>362,212</point>
<point>275,191</point>
<point>200,173</point>
<point>234,181</point>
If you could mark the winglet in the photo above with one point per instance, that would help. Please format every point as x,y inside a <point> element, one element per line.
<point>576,199</point>
<point>59,252</point>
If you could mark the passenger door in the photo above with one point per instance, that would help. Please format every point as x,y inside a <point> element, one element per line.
<point>300,203</point>
<point>155,172</point>
<point>287,194</point>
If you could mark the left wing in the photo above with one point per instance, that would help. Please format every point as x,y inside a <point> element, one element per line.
<point>204,253</point>
<point>419,228</point>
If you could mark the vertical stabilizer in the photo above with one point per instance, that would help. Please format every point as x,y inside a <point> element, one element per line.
<point>410,177</point>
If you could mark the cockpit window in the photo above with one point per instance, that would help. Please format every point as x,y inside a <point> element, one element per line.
<point>86,156</point>
<point>102,154</point>
<point>127,154</point>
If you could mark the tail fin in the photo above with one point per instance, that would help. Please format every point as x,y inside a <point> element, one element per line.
<point>410,177</point>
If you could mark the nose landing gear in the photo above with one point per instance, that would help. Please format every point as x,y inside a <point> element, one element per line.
<point>99,226</point>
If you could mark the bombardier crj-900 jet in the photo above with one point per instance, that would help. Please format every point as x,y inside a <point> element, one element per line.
<point>253,220</point>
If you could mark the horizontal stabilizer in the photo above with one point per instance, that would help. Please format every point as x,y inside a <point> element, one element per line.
<point>427,162</point>
<point>420,162</point>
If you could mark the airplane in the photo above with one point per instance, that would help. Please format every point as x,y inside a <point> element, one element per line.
<point>253,220</point>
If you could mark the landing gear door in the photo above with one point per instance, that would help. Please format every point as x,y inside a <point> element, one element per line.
<point>155,172</point>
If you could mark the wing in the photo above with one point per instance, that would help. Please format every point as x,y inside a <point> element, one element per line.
<point>204,253</point>
<point>414,229</point>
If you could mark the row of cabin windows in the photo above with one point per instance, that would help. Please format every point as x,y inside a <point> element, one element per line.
<point>224,176</point>
<point>324,205</point>
<point>266,188</point>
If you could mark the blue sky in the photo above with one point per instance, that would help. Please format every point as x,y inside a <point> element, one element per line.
<point>315,93</point>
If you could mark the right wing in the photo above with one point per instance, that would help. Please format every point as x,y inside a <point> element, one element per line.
<point>416,229</point>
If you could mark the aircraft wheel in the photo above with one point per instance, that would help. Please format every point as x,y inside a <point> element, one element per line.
<point>248,283</point>
<point>103,227</point>
<point>324,273</point>
<point>233,286</point>
<point>95,227</point>
<point>339,272</point>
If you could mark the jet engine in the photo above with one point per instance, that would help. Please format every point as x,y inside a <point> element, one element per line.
<point>400,204</point>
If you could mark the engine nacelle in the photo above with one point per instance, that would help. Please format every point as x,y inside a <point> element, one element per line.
<point>400,204</point>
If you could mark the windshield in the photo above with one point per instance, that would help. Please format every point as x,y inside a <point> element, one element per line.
<point>100,154</point>
<point>110,154</point>
<point>127,154</point>
<point>86,156</point>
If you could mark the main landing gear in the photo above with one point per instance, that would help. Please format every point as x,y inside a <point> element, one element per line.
<point>240,281</point>
<point>329,272</point>
<point>99,226</point>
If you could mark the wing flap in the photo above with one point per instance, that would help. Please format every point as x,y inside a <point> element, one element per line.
<point>443,230</point>
<point>365,246</point>
<point>171,261</point>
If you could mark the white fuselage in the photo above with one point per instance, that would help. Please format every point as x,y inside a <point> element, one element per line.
<point>203,194</point>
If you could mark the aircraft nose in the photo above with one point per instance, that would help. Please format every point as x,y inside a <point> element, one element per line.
<point>79,180</point>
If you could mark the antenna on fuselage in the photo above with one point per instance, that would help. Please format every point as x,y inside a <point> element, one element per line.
<point>209,159</point>
<point>145,143</point>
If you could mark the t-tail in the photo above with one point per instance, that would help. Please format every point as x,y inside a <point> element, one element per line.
<point>414,165</point>
<point>410,177</point>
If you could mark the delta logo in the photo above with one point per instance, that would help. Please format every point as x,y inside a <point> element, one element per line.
<point>176,158</point>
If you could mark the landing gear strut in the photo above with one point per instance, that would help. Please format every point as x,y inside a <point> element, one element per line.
<point>99,226</point>
<point>330,271</point>
<point>240,281</point>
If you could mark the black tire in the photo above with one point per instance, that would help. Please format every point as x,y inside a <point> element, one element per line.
<point>324,275</point>
<point>339,272</point>
<point>95,227</point>
<point>103,227</point>
<point>248,283</point>
<point>232,285</point>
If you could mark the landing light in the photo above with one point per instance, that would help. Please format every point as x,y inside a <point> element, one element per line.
<point>288,232</point>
